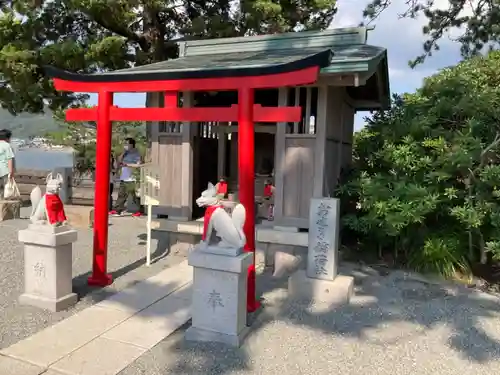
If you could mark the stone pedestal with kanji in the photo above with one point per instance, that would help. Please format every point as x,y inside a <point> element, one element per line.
<point>219,294</point>
<point>48,276</point>
<point>319,283</point>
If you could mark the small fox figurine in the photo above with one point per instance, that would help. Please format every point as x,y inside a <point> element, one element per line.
<point>48,208</point>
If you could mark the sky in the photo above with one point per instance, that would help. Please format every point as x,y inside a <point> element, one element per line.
<point>402,38</point>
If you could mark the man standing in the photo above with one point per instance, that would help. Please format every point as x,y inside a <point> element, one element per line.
<point>129,161</point>
<point>7,167</point>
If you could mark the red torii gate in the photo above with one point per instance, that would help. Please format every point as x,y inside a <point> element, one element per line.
<point>246,112</point>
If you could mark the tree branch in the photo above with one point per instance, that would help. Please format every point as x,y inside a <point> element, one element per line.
<point>119,30</point>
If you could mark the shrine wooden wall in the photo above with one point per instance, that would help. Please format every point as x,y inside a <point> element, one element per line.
<point>171,149</point>
<point>295,158</point>
<point>311,154</point>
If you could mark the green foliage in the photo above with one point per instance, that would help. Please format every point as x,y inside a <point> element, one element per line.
<point>476,25</point>
<point>425,183</point>
<point>94,35</point>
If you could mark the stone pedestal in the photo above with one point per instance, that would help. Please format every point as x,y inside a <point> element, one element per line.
<point>9,209</point>
<point>319,283</point>
<point>219,295</point>
<point>79,216</point>
<point>48,277</point>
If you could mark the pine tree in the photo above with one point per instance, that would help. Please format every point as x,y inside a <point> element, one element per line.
<point>93,35</point>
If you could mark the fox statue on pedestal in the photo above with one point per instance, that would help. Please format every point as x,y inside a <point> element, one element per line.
<point>219,228</point>
<point>48,209</point>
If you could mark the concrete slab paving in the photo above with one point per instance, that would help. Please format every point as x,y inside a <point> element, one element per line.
<point>149,291</point>
<point>11,366</point>
<point>150,326</point>
<point>57,341</point>
<point>100,356</point>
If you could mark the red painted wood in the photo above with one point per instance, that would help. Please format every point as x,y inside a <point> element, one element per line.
<point>297,78</point>
<point>170,101</point>
<point>246,181</point>
<point>260,114</point>
<point>99,275</point>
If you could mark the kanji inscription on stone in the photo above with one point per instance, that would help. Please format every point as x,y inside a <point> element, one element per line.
<point>39,269</point>
<point>323,238</point>
<point>215,300</point>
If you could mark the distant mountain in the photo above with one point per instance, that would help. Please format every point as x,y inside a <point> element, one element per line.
<point>27,125</point>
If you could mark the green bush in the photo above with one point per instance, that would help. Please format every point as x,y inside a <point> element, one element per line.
<point>425,179</point>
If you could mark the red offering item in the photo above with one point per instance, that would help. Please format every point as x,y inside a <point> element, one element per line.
<point>55,209</point>
<point>268,191</point>
<point>222,188</point>
<point>206,219</point>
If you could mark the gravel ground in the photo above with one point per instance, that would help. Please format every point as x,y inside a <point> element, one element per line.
<point>396,324</point>
<point>127,239</point>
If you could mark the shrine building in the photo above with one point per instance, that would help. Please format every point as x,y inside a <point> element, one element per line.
<point>303,159</point>
<point>273,107</point>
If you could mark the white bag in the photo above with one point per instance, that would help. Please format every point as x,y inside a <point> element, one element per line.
<point>11,191</point>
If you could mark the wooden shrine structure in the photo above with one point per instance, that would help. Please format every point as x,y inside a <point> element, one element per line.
<point>207,109</point>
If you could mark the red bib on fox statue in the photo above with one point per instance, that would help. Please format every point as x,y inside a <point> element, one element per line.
<point>206,219</point>
<point>55,209</point>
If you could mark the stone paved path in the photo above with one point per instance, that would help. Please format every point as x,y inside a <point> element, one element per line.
<point>126,261</point>
<point>105,338</point>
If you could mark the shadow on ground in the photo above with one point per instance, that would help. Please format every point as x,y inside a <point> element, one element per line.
<point>160,252</point>
<point>388,311</point>
<point>382,301</point>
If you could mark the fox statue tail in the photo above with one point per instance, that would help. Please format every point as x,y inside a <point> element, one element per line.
<point>238,217</point>
<point>35,198</point>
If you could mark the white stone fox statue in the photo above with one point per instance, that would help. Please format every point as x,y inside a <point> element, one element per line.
<point>217,221</point>
<point>49,207</point>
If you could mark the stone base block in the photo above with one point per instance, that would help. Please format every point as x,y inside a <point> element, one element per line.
<point>286,229</point>
<point>199,334</point>
<point>9,209</point>
<point>219,297</point>
<point>48,276</point>
<point>80,216</point>
<point>54,305</point>
<point>333,292</point>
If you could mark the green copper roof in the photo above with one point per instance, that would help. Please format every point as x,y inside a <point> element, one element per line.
<point>333,51</point>
<point>237,64</point>
<point>231,61</point>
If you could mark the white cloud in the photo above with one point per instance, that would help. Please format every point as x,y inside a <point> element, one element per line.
<point>403,39</point>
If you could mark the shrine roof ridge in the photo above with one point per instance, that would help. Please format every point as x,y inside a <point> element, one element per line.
<point>211,66</point>
<point>290,40</point>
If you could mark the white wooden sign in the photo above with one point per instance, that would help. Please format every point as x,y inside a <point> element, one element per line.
<point>150,185</point>
<point>150,196</point>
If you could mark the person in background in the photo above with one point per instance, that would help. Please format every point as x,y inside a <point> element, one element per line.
<point>112,173</point>
<point>128,161</point>
<point>7,159</point>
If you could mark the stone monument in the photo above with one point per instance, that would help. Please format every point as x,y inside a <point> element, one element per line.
<point>320,283</point>
<point>220,275</point>
<point>48,242</point>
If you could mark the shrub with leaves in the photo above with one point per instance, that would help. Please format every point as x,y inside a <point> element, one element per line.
<point>425,182</point>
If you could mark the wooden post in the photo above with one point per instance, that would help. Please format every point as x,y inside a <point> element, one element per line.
<point>99,276</point>
<point>246,179</point>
